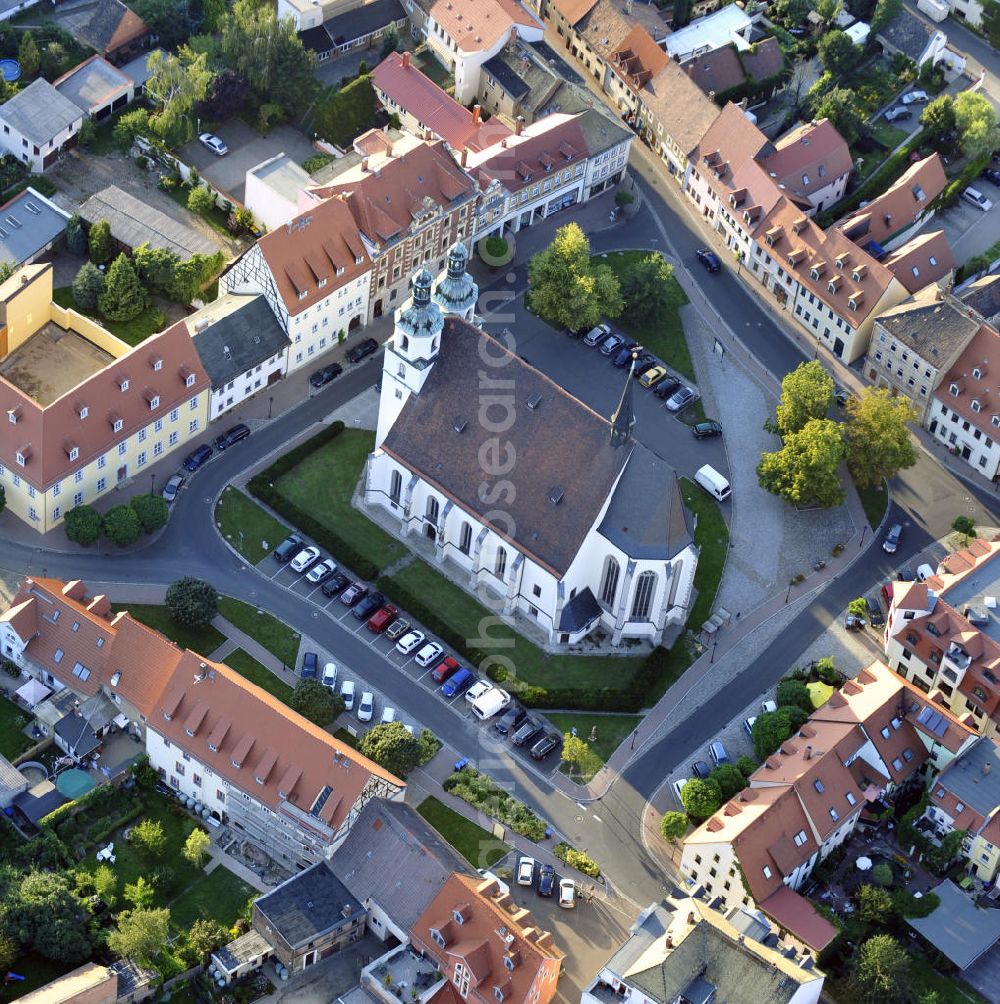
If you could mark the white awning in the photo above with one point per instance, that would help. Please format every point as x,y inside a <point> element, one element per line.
<point>121,721</point>
<point>33,692</point>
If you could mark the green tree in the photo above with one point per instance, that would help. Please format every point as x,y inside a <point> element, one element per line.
<point>213,13</point>
<point>192,602</point>
<point>990,20</point>
<point>122,525</point>
<point>838,54</point>
<point>200,200</point>
<point>8,950</point>
<point>885,11</point>
<point>938,119</point>
<point>746,766</point>
<point>206,936</point>
<point>99,240</point>
<point>87,134</point>
<point>170,20</point>
<point>105,884</point>
<point>874,904</point>
<point>76,235</point>
<point>156,266</point>
<point>48,917</point>
<point>196,846</point>
<point>806,392</point>
<point>390,41</point>
<point>882,874</point>
<point>876,436</point>
<point>729,779</point>
<point>122,298</point>
<point>794,693</point>
<point>129,127</point>
<point>648,288</point>
<point>804,471</point>
<point>625,198</point>
<point>83,524</point>
<point>139,893</point>
<point>140,935</point>
<point>566,289</point>
<point>791,13</point>
<point>88,284</point>
<point>429,746</point>
<point>29,57</point>
<point>881,970</point>
<point>575,753</point>
<point>673,826</point>
<point>858,608</point>
<point>149,837</point>
<point>772,728</point>
<point>841,106</point>
<point>964,525</point>
<point>700,798</point>
<point>191,276</point>
<point>828,10</point>
<point>317,703</point>
<point>391,746</point>
<point>976,121</point>
<point>175,85</point>
<point>681,14</point>
<point>152,511</point>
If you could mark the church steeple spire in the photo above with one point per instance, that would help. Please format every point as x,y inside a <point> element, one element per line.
<point>623,419</point>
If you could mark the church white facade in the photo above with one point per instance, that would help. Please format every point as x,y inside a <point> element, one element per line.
<point>525,492</point>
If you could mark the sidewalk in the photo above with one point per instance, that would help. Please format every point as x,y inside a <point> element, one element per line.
<point>235,638</point>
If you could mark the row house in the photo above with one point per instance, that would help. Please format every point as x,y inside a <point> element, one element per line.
<point>288,786</point>
<point>757,851</point>
<point>85,412</point>
<point>632,64</point>
<point>811,164</point>
<point>591,30</point>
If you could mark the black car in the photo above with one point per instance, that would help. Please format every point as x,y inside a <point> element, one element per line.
<point>232,436</point>
<point>577,332</point>
<point>545,746</point>
<point>623,357</point>
<point>646,361</point>
<point>530,728</point>
<point>510,720</point>
<point>368,606</point>
<point>666,387</point>
<point>362,350</point>
<point>992,175</point>
<point>288,548</point>
<point>337,583</point>
<point>709,259</point>
<point>546,880</point>
<point>701,430</point>
<point>322,377</point>
<point>700,769</point>
<point>310,663</point>
<point>198,458</point>
<point>875,616</point>
<point>162,789</point>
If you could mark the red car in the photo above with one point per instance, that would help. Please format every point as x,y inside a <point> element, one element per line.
<point>887,594</point>
<point>381,619</point>
<point>444,669</point>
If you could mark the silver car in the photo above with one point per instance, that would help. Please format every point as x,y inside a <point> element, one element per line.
<point>680,399</point>
<point>212,142</point>
<point>596,335</point>
<point>173,487</point>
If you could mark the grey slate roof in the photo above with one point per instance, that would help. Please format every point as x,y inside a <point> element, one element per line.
<point>708,957</point>
<point>77,734</point>
<point>650,927</point>
<point>249,946</point>
<point>92,84</point>
<point>907,33</point>
<point>134,223</point>
<point>394,858</point>
<point>18,244</point>
<point>238,340</point>
<point>363,20</point>
<point>580,612</point>
<point>601,130</point>
<point>935,329</point>
<point>974,777</point>
<point>500,68</point>
<point>957,927</point>
<point>39,112</point>
<point>983,296</point>
<point>309,904</point>
<point>317,39</point>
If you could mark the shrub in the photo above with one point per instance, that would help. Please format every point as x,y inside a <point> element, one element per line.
<point>87,134</point>
<point>701,798</point>
<point>964,525</point>
<point>83,524</point>
<point>882,874</point>
<point>122,525</point>
<point>122,298</point>
<point>88,284</point>
<point>577,859</point>
<point>496,246</point>
<point>201,201</point>
<point>192,602</point>
<point>481,793</point>
<point>318,160</point>
<point>793,693</point>
<point>152,510</point>
<point>99,242</point>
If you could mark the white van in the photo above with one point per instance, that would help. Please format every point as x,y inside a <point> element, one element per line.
<point>490,703</point>
<point>713,482</point>
<point>976,198</point>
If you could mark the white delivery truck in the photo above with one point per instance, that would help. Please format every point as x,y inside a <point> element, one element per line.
<point>713,482</point>
<point>488,704</point>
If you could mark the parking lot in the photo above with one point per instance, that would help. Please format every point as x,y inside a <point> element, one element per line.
<point>247,149</point>
<point>969,230</point>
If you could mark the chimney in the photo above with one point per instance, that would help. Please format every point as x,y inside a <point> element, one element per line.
<point>518,125</point>
<point>670,941</point>
<point>406,58</point>
<point>986,768</point>
<point>364,164</point>
<point>503,143</point>
<point>475,115</point>
<point>939,293</point>
<point>464,158</point>
<point>809,752</point>
<point>691,917</point>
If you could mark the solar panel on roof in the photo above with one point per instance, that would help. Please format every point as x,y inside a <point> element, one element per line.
<point>933,721</point>
<point>321,800</point>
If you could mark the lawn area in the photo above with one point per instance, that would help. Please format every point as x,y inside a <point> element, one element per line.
<point>236,514</point>
<point>925,978</point>
<point>664,337</point>
<point>874,501</point>
<point>612,730</point>
<point>279,639</point>
<point>532,666</point>
<point>13,742</point>
<point>216,218</point>
<point>424,61</point>
<point>133,332</point>
<point>204,640</point>
<point>220,896</point>
<point>37,971</point>
<point>888,135</point>
<point>346,738</point>
<point>478,847</point>
<point>247,666</point>
<point>819,692</point>
<point>322,486</point>
<point>712,536</point>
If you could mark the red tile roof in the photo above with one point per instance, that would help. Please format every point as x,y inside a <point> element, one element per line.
<point>573,10</point>
<point>925,259</point>
<point>982,353</point>
<point>808,158</point>
<point>798,916</point>
<point>477,25</point>
<point>715,71</point>
<point>637,58</point>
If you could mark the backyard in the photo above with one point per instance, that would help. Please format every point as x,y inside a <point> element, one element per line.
<point>479,848</point>
<point>13,742</point>
<point>252,530</point>
<point>203,640</point>
<point>133,332</point>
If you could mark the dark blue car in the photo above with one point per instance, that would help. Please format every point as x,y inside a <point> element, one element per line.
<point>458,683</point>
<point>310,663</point>
<point>193,461</point>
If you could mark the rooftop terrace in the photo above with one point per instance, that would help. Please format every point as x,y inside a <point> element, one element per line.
<point>51,362</point>
<point>977,597</point>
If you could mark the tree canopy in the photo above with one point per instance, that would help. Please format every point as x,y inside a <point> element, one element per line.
<point>794,693</point>
<point>122,298</point>
<point>176,84</point>
<point>391,746</point>
<point>196,846</point>
<point>673,826</point>
<point>838,54</point>
<point>152,510</point>
<point>938,118</point>
<point>805,470</point>
<point>806,392</point>
<point>990,21</point>
<point>881,970</point>
<point>140,935</point>
<point>841,106</point>
<point>192,601</point>
<point>88,284</point>
<point>976,120</point>
<point>83,524</point>
<point>122,525</point>
<point>876,436</point>
<point>701,797</point>
<point>317,703</point>
<point>772,728</point>
<point>47,917</point>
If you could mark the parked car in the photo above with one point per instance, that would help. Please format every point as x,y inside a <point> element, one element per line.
<point>410,642</point>
<point>595,335</point>
<point>914,98</point>
<point>290,546</point>
<point>457,683</point>
<point>709,259</point>
<point>545,745</point>
<point>347,694</point>
<point>992,175</point>
<point>678,787</point>
<point>976,198</point>
<point>748,724</point>
<point>623,357</point>
<point>366,707</point>
<point>430,653</point>
<point>576,332</point>
<point>875,616</point>
<point>546,880</point>
<point>335,584</point>
<point>305,558</point>
<point>891,543</point>
<point>905,574</point>
<point>370,604</point>
<point>898,114</point>
<point>525,871</point>
<point>718,752</point>
<point>329,678</point>
<point>924,572</point>
<point>477,690</point>
<point>310,665</point>
<point>666,387</point>
<point>529,728</point>
<point>172,487</point>
<point>841,395</point>
<point>680,399</point>
<point>611,345</point>
<point>322,377</point>
<point>567,893</point>
<point>702,430</point>
<point>212,142</point>
<point>232,436</point>
<point>653,376</point>
<point>197,459</point>
<point>444,669</point>
<point>700,769</point>
<point>768,706</point>
<point>388,716</point>
<point>509,721</point>
<point>381,619</point>
<point>321,571</point>
<point>887,593</point>
<point>362,350</point>
<point>644,364</point>
<point>397,628</point>
<point>853,623</point>
<point>491,702</point>
<point>162,789</point>
<point>354,593</point>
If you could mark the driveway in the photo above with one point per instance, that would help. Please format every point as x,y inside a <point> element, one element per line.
<point>247,149</point>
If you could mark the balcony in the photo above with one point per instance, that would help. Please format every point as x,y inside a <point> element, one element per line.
<point>402,975</point>
<point>955,663</point>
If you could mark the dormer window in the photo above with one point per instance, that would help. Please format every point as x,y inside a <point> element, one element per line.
<point>508,963</point>
<point>239,766</point>
<point>116,677</point>
<point>498,994</point>
<point>996,421</point>
<point>189,380</point>
<point>83,412</point>
<point>303,295</point>
<point>117,425</point>
<point>953,390</point>
<point>358,259</point>
<point>20,458</point>
<point>12,415</point>
<point>123,385</point>
<point>154,402</point>
<point>977,373</point>
<point>977,407</point>
<point>157,365</point>
<point>456,915</point>
<point>190,732</point>
<point>859,273</point>
<point>74,453</point>
<point>438,938</point>
<point>340,270</point>
<point>321,283</point>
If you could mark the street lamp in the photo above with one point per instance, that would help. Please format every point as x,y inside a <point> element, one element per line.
<point>240,532</point>
<point>715,645</point>
<point>152,484</point>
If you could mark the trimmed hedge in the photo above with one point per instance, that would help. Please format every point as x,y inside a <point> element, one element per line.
<point>577,859</point>
<point>261,486</point>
